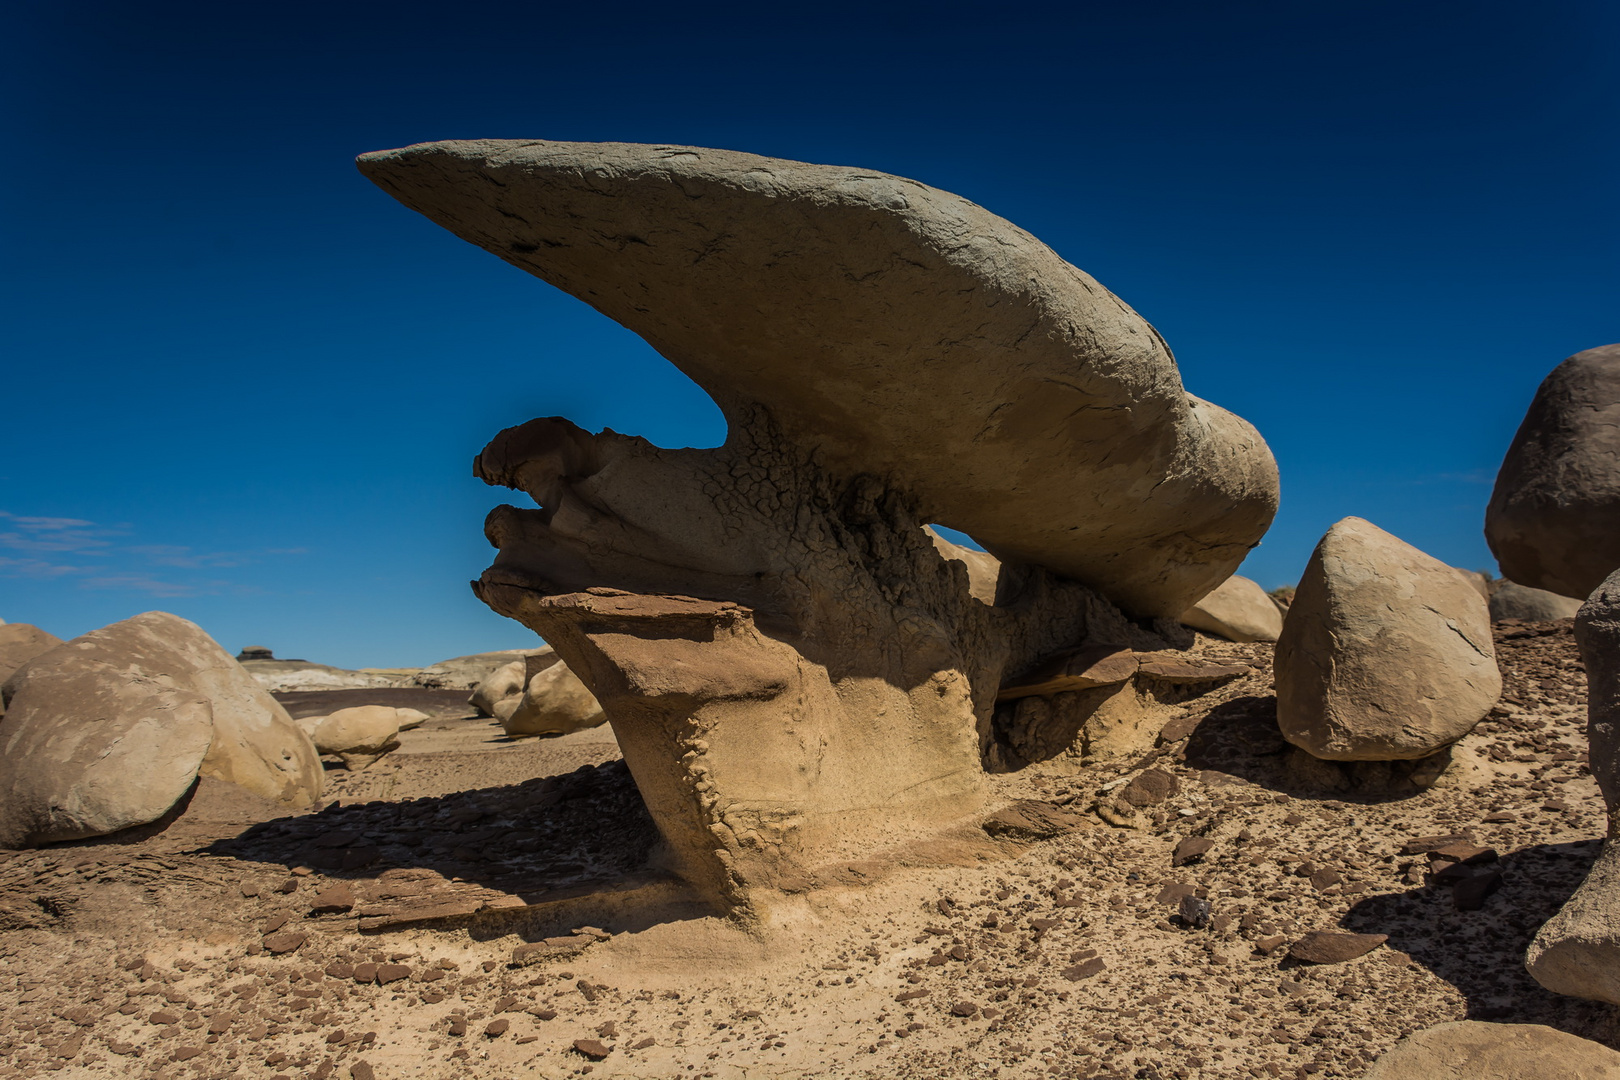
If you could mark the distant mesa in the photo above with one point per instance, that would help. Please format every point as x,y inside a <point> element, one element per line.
<point>255,652</point>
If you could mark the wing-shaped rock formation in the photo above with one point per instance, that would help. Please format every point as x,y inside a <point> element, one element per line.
<point>795,669</point>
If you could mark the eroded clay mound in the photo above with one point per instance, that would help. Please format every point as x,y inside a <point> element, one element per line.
<point>899,330</point>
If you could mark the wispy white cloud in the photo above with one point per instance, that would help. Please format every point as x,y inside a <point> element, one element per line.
<point>122,567</point>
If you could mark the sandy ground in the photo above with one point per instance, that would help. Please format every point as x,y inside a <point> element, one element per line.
<point>965,957</point>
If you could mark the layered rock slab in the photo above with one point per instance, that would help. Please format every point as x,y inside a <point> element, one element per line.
<point>110,730</point>
<point>896,328</point>
<point>1553,521</point>
<point>1577,951</point>
<point>1385,654</point>
<point>795,669</point>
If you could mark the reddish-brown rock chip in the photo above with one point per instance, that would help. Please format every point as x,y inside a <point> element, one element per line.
<point>1334,947</point>
<point>592,1049</point>
<point>284,943</point>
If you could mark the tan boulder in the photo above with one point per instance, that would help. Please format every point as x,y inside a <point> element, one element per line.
<point>1481,583</point>
<point>1475,1050</point>
<point>359,735</point>
<point>1386,653</point>
<point>1577,951</point>
<point>1238,610</point>
<point>795,670</point>
<point>110,729</point>
<point>500,692</point>
<point>1554,517</point>
<point>409,719</point>
<point>1514,601</point>
<point>554,703</point>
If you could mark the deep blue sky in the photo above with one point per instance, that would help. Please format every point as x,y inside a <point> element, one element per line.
<point>244,385</point>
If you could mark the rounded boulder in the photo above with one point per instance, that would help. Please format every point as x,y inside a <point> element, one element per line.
<point>1386,653</point>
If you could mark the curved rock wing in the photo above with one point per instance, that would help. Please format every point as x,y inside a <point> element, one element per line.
<point>895,330</point>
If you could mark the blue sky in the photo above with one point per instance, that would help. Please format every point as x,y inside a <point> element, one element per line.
<point>245,386</point>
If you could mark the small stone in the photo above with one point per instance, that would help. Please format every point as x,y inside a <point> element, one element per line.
<point>334,1037</point>
<point>250,889</point>
<point>1085,969</point>
<point>365,972</point>
<point>1501,817</point>
<point>496,1028</point>
<point>284,943</point>
<point>1192,849</point>
<point>338,898</point>
<point>163,1018</point>
<point>1557,805</point>
<point>607,1030</point>
<point>387,973</point>
<point>361,1070</point>
<point>274,923</point>
<point>339,970</point>
<point>592,1049</point>
<point>1470,893</point>
<point>1194,912</point>
<point>1423,845</point>
<point>1325,879</point>
<point>1334,947</point>
<point>1150,788</point>
<point>1268,945</point>
<point>642,1044</point>
<point>1173,892</point>
<point>1465,853</point>
<point>964,1008</point>
<point>458,1025</point>
<point>186,1053</point>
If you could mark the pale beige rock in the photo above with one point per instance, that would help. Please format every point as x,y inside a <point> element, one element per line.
<point>1554,517</point>
<point>359,735</point>
<point>554,703</point>
<point>466,672</point>
<point>796,671</point>
<point>108,730</point>
<point>983,568</point>
<point>410,719</point>
<point>1238,610</point>
<point>498,687</point>
<point>1474,1050</point>
<point>1514,601</point>
<point>1577,951</point>
<point>1386,653</point>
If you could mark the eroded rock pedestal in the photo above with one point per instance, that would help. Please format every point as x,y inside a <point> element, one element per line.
<point>1577,951</point>
<point>797,672</point>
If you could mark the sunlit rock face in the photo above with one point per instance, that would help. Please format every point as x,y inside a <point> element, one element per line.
<point>797,672</point>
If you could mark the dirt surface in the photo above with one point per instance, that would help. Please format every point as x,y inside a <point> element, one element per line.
<point>473,906</point>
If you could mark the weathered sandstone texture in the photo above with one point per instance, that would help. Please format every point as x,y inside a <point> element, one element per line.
<point>554,703</point>
<point>109,730</point>
<point>1238,610</point>
<point>795,669</point>
<point>1386,653</point>
<point>1515,601</point>
<point>1577,951</point>
<point>1475,1050</point>
<point>1554,517</point>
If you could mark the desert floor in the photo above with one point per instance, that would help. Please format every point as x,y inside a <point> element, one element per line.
<point>201,950</point>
